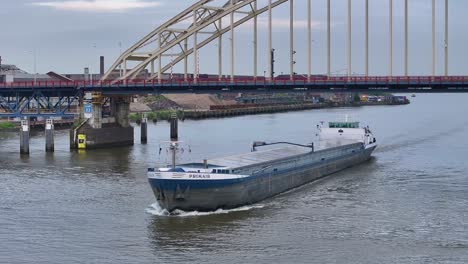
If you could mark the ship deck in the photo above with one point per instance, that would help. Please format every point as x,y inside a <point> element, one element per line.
<point>268,155</point>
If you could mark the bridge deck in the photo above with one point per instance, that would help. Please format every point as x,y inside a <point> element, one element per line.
<point>416,84</point>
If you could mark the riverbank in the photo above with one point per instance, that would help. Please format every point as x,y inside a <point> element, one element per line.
<point>231,110</point>
<point>7,126</point>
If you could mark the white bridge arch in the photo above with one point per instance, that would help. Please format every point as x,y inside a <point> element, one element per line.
<point>206,17</point>
<point>177,33</point>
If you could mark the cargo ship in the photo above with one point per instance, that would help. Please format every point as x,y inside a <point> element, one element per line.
<point>269,169</point>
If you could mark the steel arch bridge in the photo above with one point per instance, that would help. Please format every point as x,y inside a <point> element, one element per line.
<point>199,19</point>
<point>205,22</point>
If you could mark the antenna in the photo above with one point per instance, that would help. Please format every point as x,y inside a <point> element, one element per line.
<point>173,147</point>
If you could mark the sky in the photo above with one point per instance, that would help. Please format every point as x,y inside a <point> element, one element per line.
<point>69,35</point>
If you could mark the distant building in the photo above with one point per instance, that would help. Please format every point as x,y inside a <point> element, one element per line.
<point>10,73</point>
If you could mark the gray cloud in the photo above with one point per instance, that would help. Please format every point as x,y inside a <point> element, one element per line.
<point>69,40</point>
<point>98,5</point>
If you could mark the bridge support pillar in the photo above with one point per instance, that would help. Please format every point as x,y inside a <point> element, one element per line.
<point>49,135</point>
<point>24,137</point>
<point>144,130</point>
<point>122,110</point>
<point>103,132</point>
<point>174,127</point>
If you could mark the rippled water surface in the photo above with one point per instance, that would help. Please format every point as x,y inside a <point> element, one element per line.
<point>409,204</point>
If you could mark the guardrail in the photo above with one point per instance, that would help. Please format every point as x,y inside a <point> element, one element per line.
<point>244,81</point>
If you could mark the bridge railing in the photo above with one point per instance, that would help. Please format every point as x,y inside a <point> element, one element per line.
<point>298,80</point>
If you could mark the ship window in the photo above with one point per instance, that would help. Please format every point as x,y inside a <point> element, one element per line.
<point>213,171</point>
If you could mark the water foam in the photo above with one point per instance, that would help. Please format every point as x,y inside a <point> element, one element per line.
<point>155,209</point>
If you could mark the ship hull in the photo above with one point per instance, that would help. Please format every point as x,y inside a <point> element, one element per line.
<point>205,195</point>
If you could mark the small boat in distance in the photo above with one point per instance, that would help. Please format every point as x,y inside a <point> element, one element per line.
<point>230,182</point>
<point>413,95</point>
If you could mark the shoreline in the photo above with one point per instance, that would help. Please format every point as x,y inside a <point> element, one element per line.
<point>222,113</point>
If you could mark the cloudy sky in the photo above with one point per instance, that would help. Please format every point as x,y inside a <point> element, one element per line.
<point>68,35</point>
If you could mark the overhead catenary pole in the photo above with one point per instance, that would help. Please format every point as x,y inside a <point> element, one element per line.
<point>349,40</point>
<point>406,38</point>
<point>328,38</point>
<point>446,38</point>
<point>220,50</point>
<point>270,40</point>
<point>309,39</point>
<point>255,43</point>
<point>291,38</point>
<point>367,38</point>
<point>433,37</point>
<point>232,43</point>
<point>390,44</point>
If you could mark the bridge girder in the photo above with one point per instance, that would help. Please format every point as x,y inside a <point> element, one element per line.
<point>37,103</point>
<point>173,34</point>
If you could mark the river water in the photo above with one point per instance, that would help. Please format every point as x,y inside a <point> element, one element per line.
<point>409,204</point>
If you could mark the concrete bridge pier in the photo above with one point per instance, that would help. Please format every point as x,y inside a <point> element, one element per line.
<point>101,131</point>
<point>144,130</point>
<point>49,135</point>
<point>24,137</point>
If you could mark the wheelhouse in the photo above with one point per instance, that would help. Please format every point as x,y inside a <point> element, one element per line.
<point>343,125</point>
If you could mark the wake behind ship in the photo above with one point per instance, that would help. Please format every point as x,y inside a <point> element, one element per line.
<point>230,182</point>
